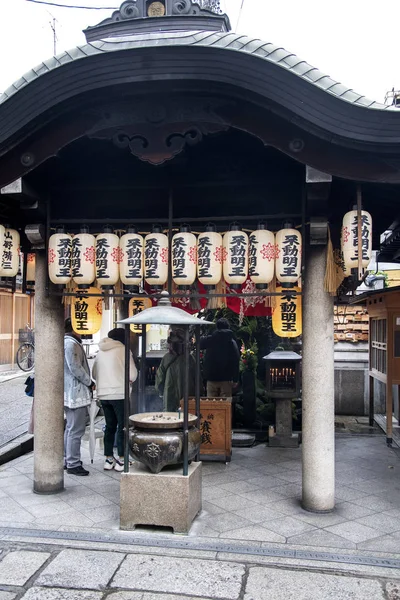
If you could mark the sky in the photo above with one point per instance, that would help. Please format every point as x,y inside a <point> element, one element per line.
<point>353,41</point>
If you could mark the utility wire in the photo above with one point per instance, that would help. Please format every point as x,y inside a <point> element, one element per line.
<point>239,15</point>
<point>72,6</point>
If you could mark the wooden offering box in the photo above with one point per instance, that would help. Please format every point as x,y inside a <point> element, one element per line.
<point>215,428</point>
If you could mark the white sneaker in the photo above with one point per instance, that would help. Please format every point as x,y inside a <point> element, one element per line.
<point>119,465</point>
<point>109,464</point>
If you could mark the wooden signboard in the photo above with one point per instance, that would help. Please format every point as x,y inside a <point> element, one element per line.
<point>215,428</point>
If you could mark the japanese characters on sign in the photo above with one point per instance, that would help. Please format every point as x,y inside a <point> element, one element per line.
<point>60,258</point>
<point>288,256</point>
<point>107,259</point>
<point>136,305</point>
<point>262,257</point>
<point>287,316</point>
<point>156,258</point>
<point>131,266</point>
<point>83,257</point>
<point>209,258</point>
<point>86,313</point>
<point>235,265</point>
<point>350,240</point>
<point>184,257</point>
<point>9,263</point>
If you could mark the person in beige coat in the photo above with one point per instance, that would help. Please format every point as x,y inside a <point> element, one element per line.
<point>109,375</point>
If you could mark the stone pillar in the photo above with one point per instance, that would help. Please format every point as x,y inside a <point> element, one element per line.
<point>318,446</point>
<point>49,386</point>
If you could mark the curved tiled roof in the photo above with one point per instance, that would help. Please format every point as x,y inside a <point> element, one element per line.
<point>226,41</point>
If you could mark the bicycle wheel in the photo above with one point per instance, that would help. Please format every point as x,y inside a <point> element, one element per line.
<point>26,357</point>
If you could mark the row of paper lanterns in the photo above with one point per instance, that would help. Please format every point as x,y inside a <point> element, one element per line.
<point>106,258</point>
<point>350,239</point>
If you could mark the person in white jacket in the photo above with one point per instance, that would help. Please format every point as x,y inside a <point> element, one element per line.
<point>109,374</point>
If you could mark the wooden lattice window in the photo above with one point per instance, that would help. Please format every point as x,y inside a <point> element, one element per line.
<point>378,354</point>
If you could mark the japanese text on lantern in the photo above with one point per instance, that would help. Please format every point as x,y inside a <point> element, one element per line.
<point>102,246</point>
<point>179,257</point>
<point>238,251</point>
<point>290,258</point>
<point>7,254</point>
<point>76,257</point>
<point>287,317</point>
<point>288,313</point>
<point>204,247</point>
<point>151,257</point>
<point>134,257</point>
<point>81,314</point>
<point>365,236</point>
<point>64,255</point>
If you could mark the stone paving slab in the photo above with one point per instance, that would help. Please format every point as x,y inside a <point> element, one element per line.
<point>81,569</point>
<point>147,596</point>
<point>39,593</point>
<point>17,567</point>
<point>393,590</point>
<point>7,596</point>
<point>274,584</point>
<point>175,575</point>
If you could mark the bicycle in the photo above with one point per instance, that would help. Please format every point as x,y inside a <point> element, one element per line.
<point>26,352</point>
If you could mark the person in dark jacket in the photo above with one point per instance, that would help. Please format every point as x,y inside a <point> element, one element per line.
<point>221,362</point>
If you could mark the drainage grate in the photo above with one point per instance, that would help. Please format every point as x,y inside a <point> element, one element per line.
<point>128,539</point>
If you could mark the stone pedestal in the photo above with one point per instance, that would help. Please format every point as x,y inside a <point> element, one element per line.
<point>283,422</point>
<point>318,436</point>
<point>166,499</point>
<point>49,386</point>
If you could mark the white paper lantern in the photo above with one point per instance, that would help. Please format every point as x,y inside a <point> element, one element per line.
<point>236,250</point>
<point>209,257</point>
<point>288,256</point>
<point>107,258</point>
<point>184,257</point>
<point>156,258</point>
<point>262,257</point>
<point>2,232</point>
<point>131,266</point>
<point>9,264</point>
<point>60,257</point>
<point>83,258</point>
<point>30,268</point>
<point>350,240</point>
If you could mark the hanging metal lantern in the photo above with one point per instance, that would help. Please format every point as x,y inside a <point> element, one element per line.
<point>156,258</point>
<point>83,258</point>
<point>9,264</point>
<point>350,240</point>
<point>136,305</point>
<point>262,256</point>
<point>287,316</point>
<point>209,257</point>
<point>288,255</point>
<point>131,256</point>
<point>30,268</point>
<point>87,312</point>
<point>235,250</point>
<point>60,257</point>
<point>107,258</point>
<point>184,257</point>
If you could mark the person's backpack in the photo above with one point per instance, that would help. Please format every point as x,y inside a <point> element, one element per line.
<point>30,386</point>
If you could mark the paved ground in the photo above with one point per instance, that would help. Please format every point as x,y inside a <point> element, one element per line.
<point>15,407</point>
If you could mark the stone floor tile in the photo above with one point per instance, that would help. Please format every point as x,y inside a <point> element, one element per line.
<point>287,526</point>
<point>258,513</point>
<point>287,506</point>
<point>375,503</point>
<point>382,522</point>
<point>232,502</point>
<point>211,509</point>
<point>351,511</point>
<point>290,490</point>
<point>88,501</point>
<point>262,497</point>
<point>176,575</point>
<point>218,480</point>
<point>265,583</point>
<point>393,590</point>
<point>375,486</point>
<point>48,509</point>
<point>200,529</point>
<point>345,493</point>
<point>271,469</point>
<point>255,533</point>
<point>265,481</point>
<point>290,476</point>
<point>83,569</point>
<point>321,538</point>
<point>71,518</point>
<point>39,593</point>
<point>102,513</point>
<point>149,596</point>
<point>19,566</point>
<point>7,595</point>
<point>320,520</point>
<point>385,543</point>
<point>239,486</point>
<point>213,492</point>
<point>353,531</point>
<point>394,512</point>
<point>225,522</point>
<point>291,465</point>
<point>12,511</point>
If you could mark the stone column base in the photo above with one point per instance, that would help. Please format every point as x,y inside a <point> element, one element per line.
<point>165,499</point>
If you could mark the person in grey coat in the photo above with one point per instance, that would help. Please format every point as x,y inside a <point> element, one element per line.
<point>77,397</point>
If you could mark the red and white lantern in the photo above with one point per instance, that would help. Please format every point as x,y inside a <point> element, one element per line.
<point>156,258</point>
<point>9,259</point>
<point>288,256</point>
<point>350,240</point>
<point>131,266</point>
<point>60,257</point>
<point>83,258</point>
<point>209,257</point>
<point>262,256</point>
<point>108,255</point>
<point>184,257</point>
<point>236,250</point>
